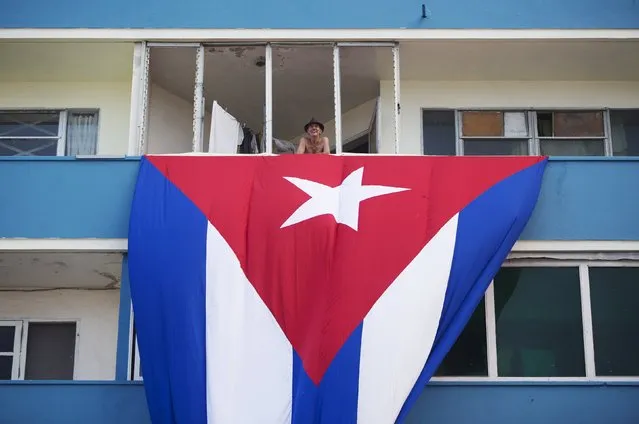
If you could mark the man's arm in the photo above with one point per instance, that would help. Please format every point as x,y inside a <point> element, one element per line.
<point>301,146</point>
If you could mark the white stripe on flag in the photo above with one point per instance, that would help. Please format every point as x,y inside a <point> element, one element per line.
<point>249,361</point>
<point>399,331</point>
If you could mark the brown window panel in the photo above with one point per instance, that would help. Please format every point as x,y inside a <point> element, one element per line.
<point>578,124</point>
<point>482,124</point>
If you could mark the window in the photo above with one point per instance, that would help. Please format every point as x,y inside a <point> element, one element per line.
<point>31,350</point>
<point>48,133</point>
<point>614,294</point>
<point>553,319</point>
<point>531,132</point>
<point>571,133</point>
<point>538,322</point>
<point>439,132</point>
<point>468,354</point>
<point>9,349</point>
<point>494,133</point>
<point>624,130</point>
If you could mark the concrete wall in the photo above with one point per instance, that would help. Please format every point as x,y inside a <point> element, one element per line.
<point>66,197</point>
<point>460,403</point>
<point>332,13</point>
<point>581,199</point>
<point>72,75</point>
<point>171,123</point>
<point>416,95</point>
<point>96,312</point>
<point>39,402</point>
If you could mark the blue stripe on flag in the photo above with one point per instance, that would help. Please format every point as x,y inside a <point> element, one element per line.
<point>335,400</point>
<point>484,240</point>
<point>167,252</point>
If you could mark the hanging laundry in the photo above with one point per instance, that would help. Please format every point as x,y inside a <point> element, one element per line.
<point>226,132</point>
<point>249,142</point>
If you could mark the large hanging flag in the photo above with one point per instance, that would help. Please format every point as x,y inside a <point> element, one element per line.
<point>312,289</point>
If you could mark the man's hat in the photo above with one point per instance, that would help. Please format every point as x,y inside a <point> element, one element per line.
<point>314,121</point>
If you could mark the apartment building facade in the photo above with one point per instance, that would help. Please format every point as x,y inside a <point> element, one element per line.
<point>86,89</point>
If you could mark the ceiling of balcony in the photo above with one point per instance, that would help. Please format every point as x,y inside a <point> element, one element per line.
<point>303,75</point>
<point>36,270</point>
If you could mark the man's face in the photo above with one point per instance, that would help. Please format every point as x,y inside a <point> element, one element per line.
<point>314,130</point>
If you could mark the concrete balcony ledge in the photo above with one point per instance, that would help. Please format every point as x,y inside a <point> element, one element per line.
<point>582,198</point>
<point>526,402</point>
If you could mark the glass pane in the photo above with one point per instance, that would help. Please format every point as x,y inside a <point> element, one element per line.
<point>501,147</point>
<point>614,294</point>
<point>7,335</point>
<point>29,147</point>
<point>467,357</point>
<point>439,132</point>
<point>482,124</point>
<point>515,124</point>
<point>572,147</point>
<point>6,364</point>
<point>50,351</point>
<point>544,124</point>
<point>624,128</point>
<point>82,133</point>
<point>539,331</point>
<point>578,124</point>
<point>29,124</point>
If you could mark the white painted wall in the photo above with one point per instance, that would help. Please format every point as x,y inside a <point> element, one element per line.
<point>354,122</point>
<point>72,75</point>
<point>96,311</point>
<point>171,123</point>
<point>491,94</point>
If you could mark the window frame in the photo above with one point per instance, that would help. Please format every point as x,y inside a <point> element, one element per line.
<point>63,115</point>
<point>139,111</point>
<point>17,346</point>
<point>534,140</point>
<point>22,338</point>
<point>461,139</point>
<point>134,368</point>
<point>581,260</point>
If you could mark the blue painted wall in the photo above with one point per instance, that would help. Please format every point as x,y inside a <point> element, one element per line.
<point>72,403</point>
<point>532,403</point>
<point>66,197</point>
<point>320,14</point>
<point>586,199</point>
<point>441,403</point>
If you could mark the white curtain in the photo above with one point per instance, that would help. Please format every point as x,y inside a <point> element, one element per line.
<point>82,133</point>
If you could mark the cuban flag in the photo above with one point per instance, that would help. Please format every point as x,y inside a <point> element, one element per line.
<point>312,289</point>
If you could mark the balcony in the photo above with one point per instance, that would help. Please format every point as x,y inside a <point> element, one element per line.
<point>581,199</point>
<point>461,403</point>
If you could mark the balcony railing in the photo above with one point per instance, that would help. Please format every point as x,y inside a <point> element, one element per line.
<point>461,403</point>
<point>581,198</point>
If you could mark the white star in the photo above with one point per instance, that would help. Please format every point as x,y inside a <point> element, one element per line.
<point>342,201</point>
